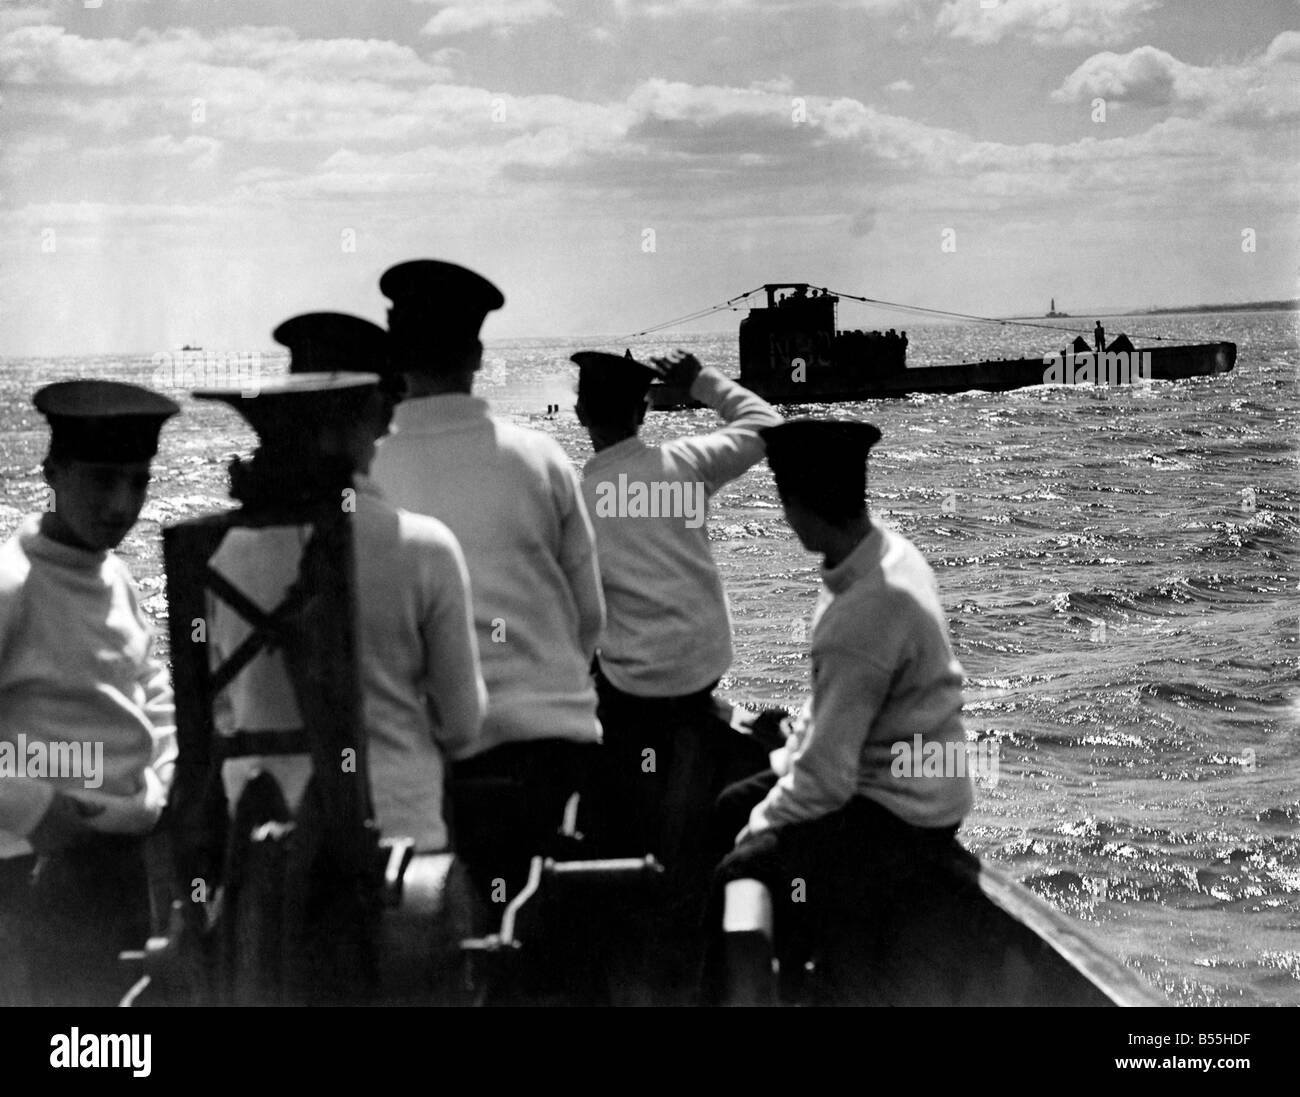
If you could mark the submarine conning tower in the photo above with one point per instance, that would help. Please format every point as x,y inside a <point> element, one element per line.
<point>791,346</point>
<point>798,322</point>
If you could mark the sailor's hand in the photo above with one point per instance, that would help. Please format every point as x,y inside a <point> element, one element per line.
<point>679,368</point>
<point>134,814</point>
<point>64,824</point>
<point>771,728</point>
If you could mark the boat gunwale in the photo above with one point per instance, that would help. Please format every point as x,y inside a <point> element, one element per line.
<point>1067,939</point>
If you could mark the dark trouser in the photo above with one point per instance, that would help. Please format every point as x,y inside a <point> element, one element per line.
<point>662,763</point>
<point>508,804</point>
<point>69,915</point>
<point>822,874</point>
<point>732,809</point>
<point>645,747</point>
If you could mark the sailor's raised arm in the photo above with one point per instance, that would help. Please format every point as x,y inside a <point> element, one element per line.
<point>454,681</point>
<point>732,449</point>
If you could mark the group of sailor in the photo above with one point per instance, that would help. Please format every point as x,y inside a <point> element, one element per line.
<point>509,627</point>
<point>891,337</point>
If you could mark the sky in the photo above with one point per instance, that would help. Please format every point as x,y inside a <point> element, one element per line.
<point>197,171</point>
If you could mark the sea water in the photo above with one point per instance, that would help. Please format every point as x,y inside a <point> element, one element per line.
<point>1120,567</point>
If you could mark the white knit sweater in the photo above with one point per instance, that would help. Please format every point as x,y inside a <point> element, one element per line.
<point>75,667</point>
<point>669,629</point>
<point>883,671</point>
<point>511,497</point>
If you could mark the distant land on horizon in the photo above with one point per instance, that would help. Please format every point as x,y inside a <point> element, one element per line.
<point>1283,305</point>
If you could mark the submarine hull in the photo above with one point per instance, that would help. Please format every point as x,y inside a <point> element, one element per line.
<point>839,384</point>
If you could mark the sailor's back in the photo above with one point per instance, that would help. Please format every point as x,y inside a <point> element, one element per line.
<point>669,626</point>
<point>414,643</point>
<point>881,657</point>
<point>512,500</point>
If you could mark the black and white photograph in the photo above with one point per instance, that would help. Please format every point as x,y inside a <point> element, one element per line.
<point>681,504</point>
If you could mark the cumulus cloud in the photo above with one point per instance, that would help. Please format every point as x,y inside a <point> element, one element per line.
<point>261,84</point>
<point>746,8</point>
<point>1285,47</point>
<point>458,17</point>
<point>1046,22</point>
<point>1258,91</point>
<point>735,153</point>
<point>1146,76</point>
<point>145,215</point>
<point>24,15</point>
<point>292,120</point>
<point>199,153</point>
<point>354,117</point>
<point>674,8</point>
<point>50,56</point>
<point>901,86</point>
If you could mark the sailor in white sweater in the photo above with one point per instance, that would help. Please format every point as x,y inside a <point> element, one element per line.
<point>87,742</point>
<point>511,497</point>
<point>667,641</point>
<point>839,813</point>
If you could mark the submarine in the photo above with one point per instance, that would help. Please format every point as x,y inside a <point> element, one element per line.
<point>792,352</point>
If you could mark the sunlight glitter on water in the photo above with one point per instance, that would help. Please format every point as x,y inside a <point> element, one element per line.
<point>1121,750</point>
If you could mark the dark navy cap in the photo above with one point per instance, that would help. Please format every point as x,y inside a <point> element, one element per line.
<point>436,307</point>
<point>287,410</point>
<point>330,342</point>
<point>822,462</point>
<point>611,382</point>
<point>108,422</point>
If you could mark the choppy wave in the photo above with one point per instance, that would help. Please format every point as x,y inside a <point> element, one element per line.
<point>1121,574</point>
